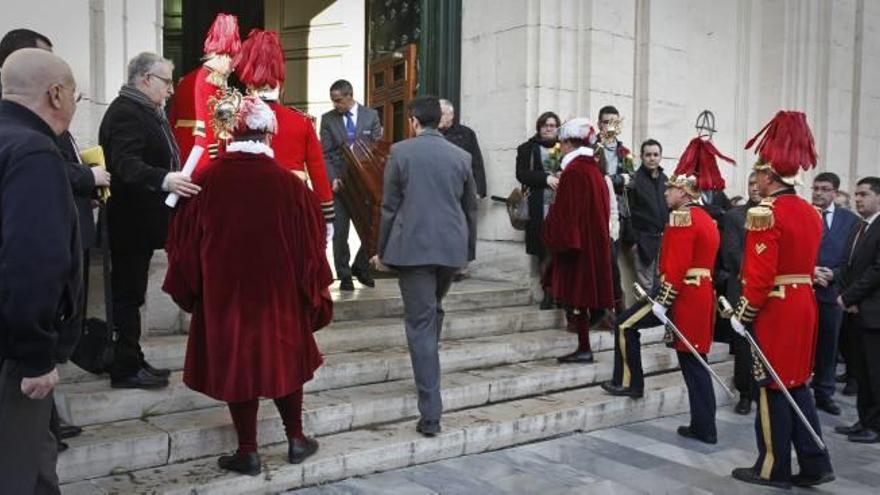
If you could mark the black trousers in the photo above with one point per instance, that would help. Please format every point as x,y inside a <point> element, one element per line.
<point>777,428</point>
<point>825,364</point>
<point>615,274</point>
<point>341,252</point>
<point>866,360</point>
<point>743,380</point>
<point>627,345</point>
<point>848,343</point>
<point>129,279</point>
<point>28,450</point>
<point>701,395</point>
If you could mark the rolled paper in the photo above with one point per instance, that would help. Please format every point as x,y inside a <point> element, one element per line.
<point>94,157</point>
<point>188,169</point>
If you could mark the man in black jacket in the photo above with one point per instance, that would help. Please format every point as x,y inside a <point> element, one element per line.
<point>465,138</point>
<point>143,157</point>
<point>648,213</point>
<point>860,299</point>
<point>40,263</point>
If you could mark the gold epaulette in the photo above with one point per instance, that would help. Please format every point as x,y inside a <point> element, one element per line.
<point>760,218</point>
<point>306,115</point>
<point>680,218</point>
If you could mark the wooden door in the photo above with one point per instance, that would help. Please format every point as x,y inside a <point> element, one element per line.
<point>391,84</point>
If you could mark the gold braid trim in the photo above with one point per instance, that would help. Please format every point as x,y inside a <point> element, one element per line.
<point>759,218</point>
<point>680,218</point>
<point>666,295</point>
<point>744,311</point>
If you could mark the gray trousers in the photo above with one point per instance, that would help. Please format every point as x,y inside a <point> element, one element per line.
<point>646,273</point>
<point>423,289</point>
<point>341,251</point>
<point>28,451</point>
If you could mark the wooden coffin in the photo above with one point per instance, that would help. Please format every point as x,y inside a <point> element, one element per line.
<point>362,189</point>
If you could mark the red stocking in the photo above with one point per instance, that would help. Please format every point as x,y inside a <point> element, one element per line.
<point>244,417</point>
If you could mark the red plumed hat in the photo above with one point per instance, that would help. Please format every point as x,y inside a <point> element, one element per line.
<point>786,146</point>
<point>222,37</point>
<point>260,63</point>
<point>699,160</point>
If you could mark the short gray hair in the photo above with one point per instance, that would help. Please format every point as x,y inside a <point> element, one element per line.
<point>143,63</point>
<point>444,104</point>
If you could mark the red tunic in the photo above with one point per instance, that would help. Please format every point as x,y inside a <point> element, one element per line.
<point>782,245</point>
<point>190,117</point>
<point>576,234</point>
<point>297,149</point>
<point>687,257</point>
<point>246,258</point>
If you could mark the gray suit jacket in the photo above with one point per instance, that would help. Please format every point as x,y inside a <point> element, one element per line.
<point>429,204</point>
<point>334,137</point>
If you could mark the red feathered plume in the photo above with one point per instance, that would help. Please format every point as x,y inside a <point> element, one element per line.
<point>260,63</point>
<point>222,37</point>
<point>699,159</point>
<point>787,144</point>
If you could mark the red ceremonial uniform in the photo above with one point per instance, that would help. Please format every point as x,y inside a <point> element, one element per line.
<point>190,116</point>
<point>297,149</point>
<point>782,245</point>
<point>687,257</point>
<point>246,257</point>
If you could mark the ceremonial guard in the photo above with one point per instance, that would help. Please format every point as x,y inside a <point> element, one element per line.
<point>190,113</point>
<point>687,257</point>
<point>260,66</point>
<point>782,244</point>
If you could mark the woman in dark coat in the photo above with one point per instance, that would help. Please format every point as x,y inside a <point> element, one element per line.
<point>537,169</point>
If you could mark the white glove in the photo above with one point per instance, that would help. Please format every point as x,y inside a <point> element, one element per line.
<point>659,311</point>
<point>330,233</point>
<point>738,327</point>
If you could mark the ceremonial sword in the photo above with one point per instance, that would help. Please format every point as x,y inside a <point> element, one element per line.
<point>642,295</point>
<point>727,312</point>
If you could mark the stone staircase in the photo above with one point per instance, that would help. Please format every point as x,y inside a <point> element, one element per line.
<point>501,387</point>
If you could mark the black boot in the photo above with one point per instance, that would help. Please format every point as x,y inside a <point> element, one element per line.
<point>547,302</point>
<point>241,463</point>
<point>299,450</point>
<point>744,406</point>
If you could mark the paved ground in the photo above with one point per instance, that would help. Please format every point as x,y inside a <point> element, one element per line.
<point>647,457</point>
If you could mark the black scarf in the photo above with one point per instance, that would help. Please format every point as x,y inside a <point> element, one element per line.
<point>547,143</point>
<point>130,92</point>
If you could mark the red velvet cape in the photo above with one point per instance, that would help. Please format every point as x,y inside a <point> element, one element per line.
<point>246,258</point>
<point>576,234</point>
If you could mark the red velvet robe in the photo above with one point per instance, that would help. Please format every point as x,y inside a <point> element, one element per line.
<point>246,258</point>
<point>576,234</point>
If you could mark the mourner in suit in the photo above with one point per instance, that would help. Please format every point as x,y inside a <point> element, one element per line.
<point>428,232</point>
<point>143,157</point>
<point>860,299</point>
<point>778,302</point>
<point>347,122</point>
<point>837,224</point>
<point>648,213</point>
<point>41,260</point>
<point>465,138</point>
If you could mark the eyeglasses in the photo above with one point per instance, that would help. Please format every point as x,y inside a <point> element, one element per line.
<point>822,189</point>
<point>167,80</point>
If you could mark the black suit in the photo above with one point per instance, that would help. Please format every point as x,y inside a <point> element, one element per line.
<point>139,155</point>
<point>465,138</point>
<point>860,287</point>
<point>648,217</point>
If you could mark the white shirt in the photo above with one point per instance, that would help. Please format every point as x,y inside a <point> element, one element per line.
<point>354,115</point>
<point>871,219</point>
<point>830,218</point>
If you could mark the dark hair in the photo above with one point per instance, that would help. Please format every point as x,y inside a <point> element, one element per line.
<point>343,87</point>
<point>608,109</point>
<point>543,118</point>
<point>17,39</point>
<point>828,177</point>
<point>426,109</point>
<point>872,182</point>
<point>651,142</point>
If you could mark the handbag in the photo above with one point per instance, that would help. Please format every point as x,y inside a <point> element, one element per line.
<point>517,204</point>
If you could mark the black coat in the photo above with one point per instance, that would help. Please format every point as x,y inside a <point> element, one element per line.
<point>82,181</point>
<point>465,138</point>
<point>139,157</point>
<point>530,173</point>
<point>648,211</point>
<point>40,253</point>
<point>860,285</point>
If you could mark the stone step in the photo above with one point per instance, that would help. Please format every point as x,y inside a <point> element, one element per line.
<point>349,336</point>
<point>396,445</point>
<point>95,402</point>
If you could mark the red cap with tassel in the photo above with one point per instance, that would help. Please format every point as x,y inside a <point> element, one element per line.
<point>260,63</point>
<point>697,168</point>
<point>786,146</point>
<point>222,37</point>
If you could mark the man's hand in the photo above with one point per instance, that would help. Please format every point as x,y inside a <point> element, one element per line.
<point>337,185</point>
<point>848,309</point>
<point>41,386</point>
<point>552,182</point>
<point>181,184</point>
<point>102,176</point>
<point>377,264</point>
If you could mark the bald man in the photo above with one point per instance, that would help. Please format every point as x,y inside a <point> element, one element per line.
<point>40,263</point>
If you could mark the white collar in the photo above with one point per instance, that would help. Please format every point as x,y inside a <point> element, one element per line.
<point>831,208</point>
<point>873,217</point>
<point>252,147</point>
<point>354,112</point>
<point>582,151</point>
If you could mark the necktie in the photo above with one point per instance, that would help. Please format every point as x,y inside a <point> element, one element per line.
<point>825,214</point>
<point>349,127</point>
<point>863,226</point>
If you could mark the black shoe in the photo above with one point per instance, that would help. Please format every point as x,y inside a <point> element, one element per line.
<point>547,302</point>
<point>849,430</point>
<point>66,431</point>
<point>160,372</point>
<point>749,475</point>
<point>346,284</point>
<point>621,391</point>
<point>241,463</point>
<point>299,450</point>
<point>850,389</point>
<point>577,357</point>
<point>841,378</point>
<point>811,480</point>
<point>364,277</point>
<point>142,379</point>
<point>687,432</point>
<point>428,427</point>
<point>867,435</point>
<point>744,406</point>
<point>829,406</point>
